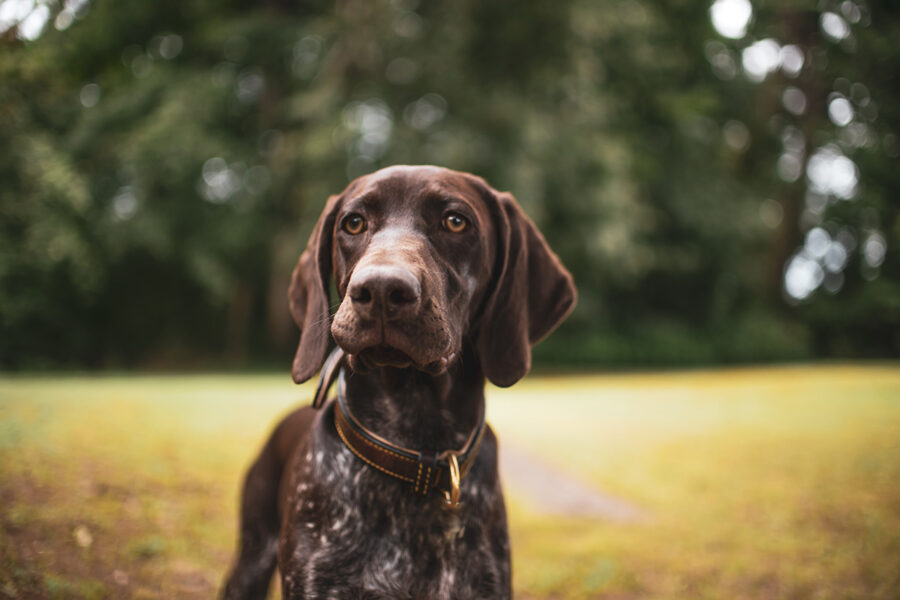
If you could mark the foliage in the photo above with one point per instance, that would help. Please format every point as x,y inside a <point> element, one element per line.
<point>163,162</point>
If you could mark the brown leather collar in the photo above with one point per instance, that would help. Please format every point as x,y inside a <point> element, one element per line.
<point>424,470</point>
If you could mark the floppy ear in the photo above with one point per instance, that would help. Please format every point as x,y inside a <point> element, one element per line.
<point>533,293</point>
<point>308,296</point>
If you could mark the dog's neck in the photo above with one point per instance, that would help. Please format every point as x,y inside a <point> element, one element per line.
<point>418,410</point>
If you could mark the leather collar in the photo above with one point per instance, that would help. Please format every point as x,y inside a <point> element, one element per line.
<point>424,470</point>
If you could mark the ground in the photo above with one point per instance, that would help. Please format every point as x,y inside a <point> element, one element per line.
<point>748,483</point>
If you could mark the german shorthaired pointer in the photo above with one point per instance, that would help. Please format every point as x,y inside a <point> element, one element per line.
<point>392,490</point>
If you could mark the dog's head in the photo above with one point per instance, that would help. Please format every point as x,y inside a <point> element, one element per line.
<point>424,259</point>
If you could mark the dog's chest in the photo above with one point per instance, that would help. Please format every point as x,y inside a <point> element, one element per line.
<point>359,534</point>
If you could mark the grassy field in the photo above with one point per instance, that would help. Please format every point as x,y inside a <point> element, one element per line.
<point>757,483</point>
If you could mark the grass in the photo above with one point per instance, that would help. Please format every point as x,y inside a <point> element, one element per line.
<point>756,483</point>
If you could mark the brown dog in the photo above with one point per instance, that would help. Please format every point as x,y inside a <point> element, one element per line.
<point>393,491</point>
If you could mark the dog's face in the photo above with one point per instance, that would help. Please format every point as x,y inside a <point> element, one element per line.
<point>412,254</point>
<point>423,259</point>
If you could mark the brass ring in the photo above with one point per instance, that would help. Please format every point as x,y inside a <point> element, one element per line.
<point>452,497</point>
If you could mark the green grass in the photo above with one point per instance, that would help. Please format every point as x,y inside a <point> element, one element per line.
<point>757,483</point>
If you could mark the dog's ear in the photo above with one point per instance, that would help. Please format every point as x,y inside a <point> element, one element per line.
<point>308,296</point>
<point>533,292</point>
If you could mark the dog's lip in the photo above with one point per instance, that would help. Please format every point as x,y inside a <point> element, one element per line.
<point>383,355</point>
<point>436,367</point>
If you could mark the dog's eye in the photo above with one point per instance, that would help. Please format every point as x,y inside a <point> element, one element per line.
<point>354,224</point>
<point>455,223</point>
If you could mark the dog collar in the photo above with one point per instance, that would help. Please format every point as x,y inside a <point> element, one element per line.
<point>424,470</point>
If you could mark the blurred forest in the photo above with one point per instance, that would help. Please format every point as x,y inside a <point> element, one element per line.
<point>720,177</point>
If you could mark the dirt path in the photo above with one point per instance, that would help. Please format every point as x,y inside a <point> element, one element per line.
<point>554,492</point>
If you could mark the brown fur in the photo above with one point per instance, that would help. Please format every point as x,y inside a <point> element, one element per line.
<point>425,315</point>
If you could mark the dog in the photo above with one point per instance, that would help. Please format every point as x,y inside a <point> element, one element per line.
<point>392,490</point>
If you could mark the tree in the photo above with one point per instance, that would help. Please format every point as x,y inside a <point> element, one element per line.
<point>164,162</point>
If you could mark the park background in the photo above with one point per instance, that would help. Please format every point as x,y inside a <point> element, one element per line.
<point>720,177</point>
<point>719,196</point>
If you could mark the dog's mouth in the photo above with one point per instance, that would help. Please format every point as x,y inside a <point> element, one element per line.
<point>379,356</point>
<point>423,343</point>
<point>384,356</point>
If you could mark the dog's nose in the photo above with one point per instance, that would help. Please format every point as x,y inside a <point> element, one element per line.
<point>384,291</point>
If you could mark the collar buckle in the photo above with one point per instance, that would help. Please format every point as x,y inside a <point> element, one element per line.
<point>452,497</point>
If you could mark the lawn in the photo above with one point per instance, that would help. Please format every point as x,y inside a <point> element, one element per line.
<point>751,483</point>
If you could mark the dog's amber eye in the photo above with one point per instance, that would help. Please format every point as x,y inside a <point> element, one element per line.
<point>354,224</point>
<point>455,223</point>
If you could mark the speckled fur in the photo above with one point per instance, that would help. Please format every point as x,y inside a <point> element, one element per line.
<point>352,532</point>
<point>348,531</point>
<point>335,526</point>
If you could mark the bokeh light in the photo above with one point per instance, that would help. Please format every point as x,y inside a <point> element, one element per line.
<point>794,100</point>
<point>874,249</point>
<point>830,172</point>
<point>761,58</point>
<point>219,181</point>
<point>731,17</point>
<point>802,276</point>
<point>90,95</point>
<point>840,111</point>
<point>834,26</point>
<point>792,60</point>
